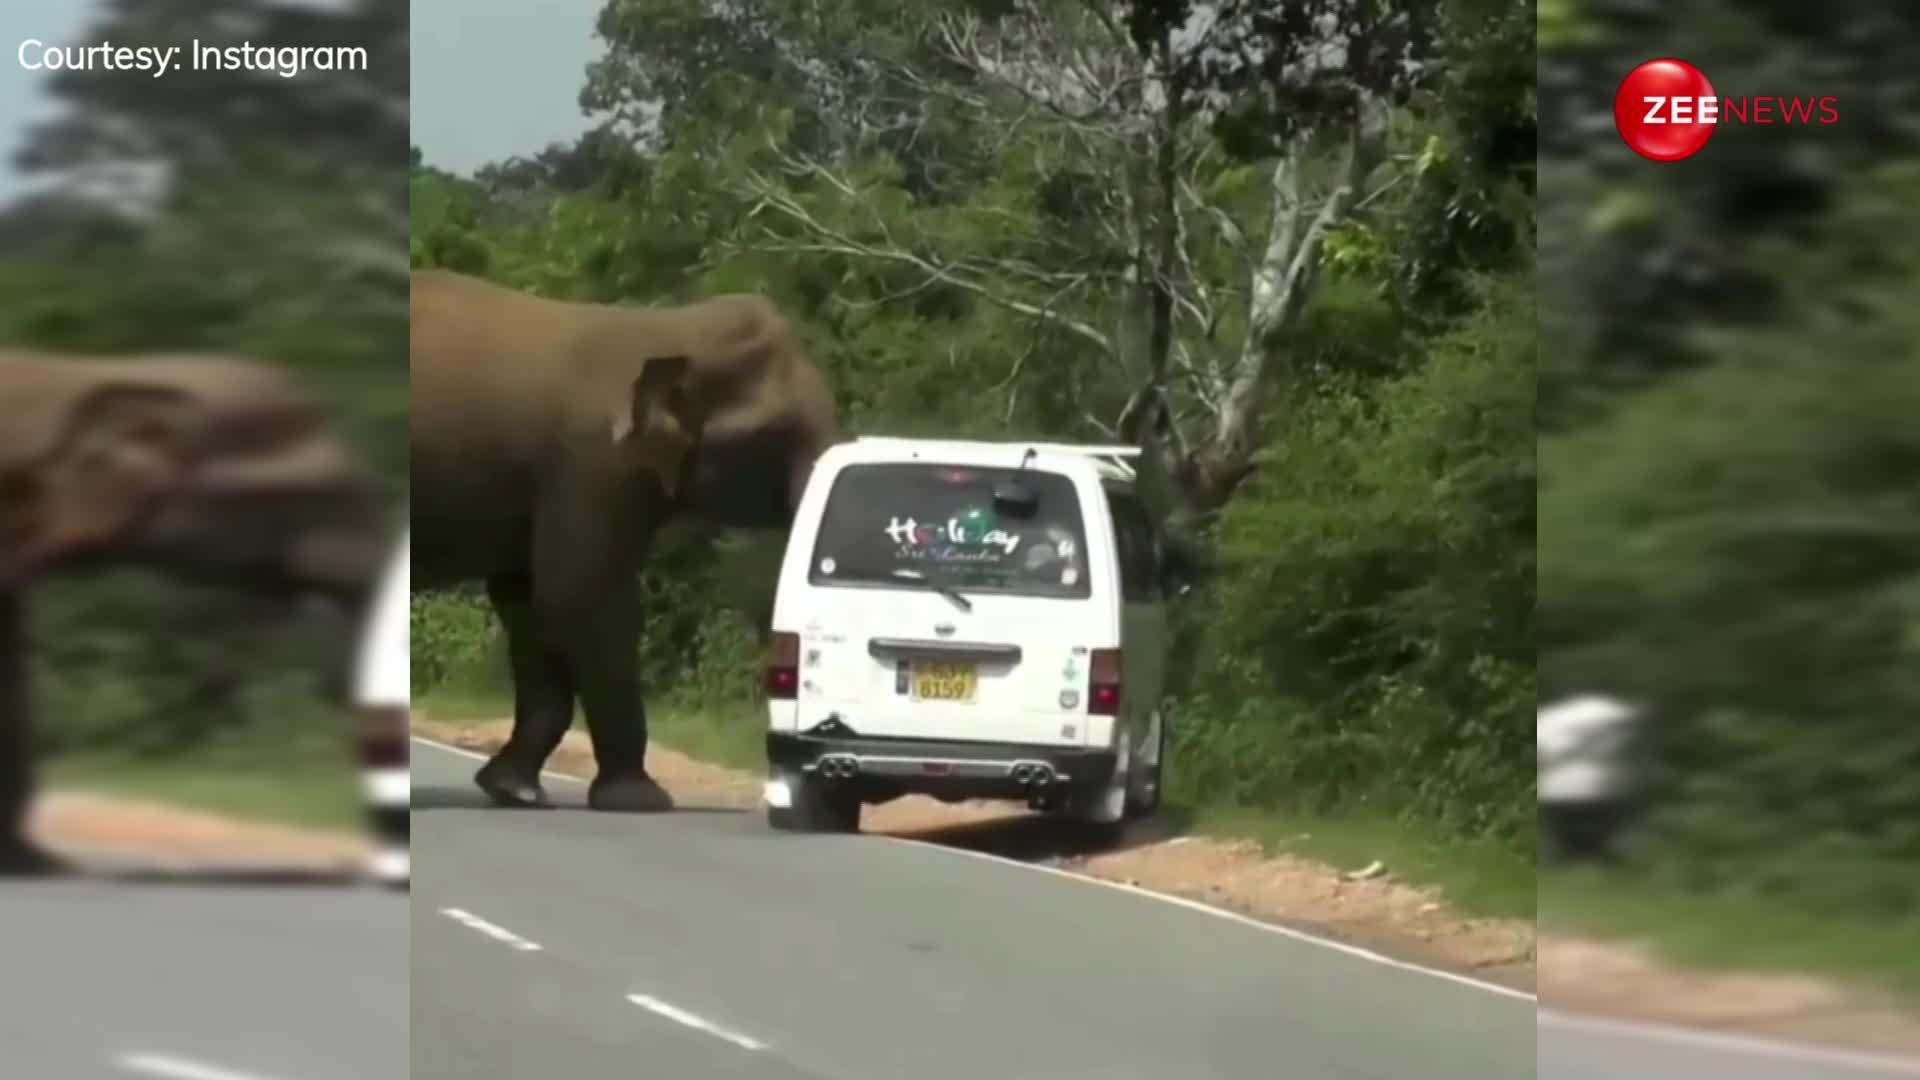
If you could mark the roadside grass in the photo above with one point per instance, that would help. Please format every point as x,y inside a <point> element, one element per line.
<point>1476,878</point>
<point>1732,933</point>
<point>462,709</point>
<point>730,736</point>
<point>312,782</point>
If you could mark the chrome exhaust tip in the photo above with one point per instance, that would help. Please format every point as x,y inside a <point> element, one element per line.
<point>1032,773</point>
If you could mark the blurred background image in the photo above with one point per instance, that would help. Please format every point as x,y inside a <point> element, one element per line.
<point>1729,543</point>
<point>197,681</point>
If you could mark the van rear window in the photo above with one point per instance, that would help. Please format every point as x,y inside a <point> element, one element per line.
<point>886,523</point>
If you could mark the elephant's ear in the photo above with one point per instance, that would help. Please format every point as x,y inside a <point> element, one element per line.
<point>657,429</point>
<point>123,451</point>
<point>661,384</point>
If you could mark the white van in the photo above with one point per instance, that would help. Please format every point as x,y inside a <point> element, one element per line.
<point>968,620</point>
<point>382,692</point>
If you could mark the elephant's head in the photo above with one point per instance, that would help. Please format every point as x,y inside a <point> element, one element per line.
<point>760,411</point>
<point>206,467</point>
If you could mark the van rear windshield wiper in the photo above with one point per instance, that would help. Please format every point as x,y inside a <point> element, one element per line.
<point>947,591</point>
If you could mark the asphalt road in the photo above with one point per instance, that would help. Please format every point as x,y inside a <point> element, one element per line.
<point>1575,1048</point>
<point>701,944</point>
<point>113,980</point>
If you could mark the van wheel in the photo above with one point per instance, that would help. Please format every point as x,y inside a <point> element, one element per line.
<point>815,809</point>
<point>1145,781</point>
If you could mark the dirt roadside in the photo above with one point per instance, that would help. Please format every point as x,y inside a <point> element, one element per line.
<point>87,827</point>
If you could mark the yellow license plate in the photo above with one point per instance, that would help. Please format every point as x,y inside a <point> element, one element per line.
<point>944,682</point>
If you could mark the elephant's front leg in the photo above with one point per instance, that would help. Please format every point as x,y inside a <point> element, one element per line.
<point>543,694</point>
<point>18,854</point>
<point>588,545</point>
<point>606,658</point>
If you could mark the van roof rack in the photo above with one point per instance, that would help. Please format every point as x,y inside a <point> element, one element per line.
<point>1115,458</point>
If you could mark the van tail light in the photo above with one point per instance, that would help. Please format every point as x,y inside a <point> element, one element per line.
<point>783,667</point>
<point>384,735</point>
<point>1103,683</point>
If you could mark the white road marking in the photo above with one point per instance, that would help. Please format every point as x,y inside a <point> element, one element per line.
<point>177,1068</point>
<point>1740,1044</point>
<point>681,1016</point>
<point>1232,916</point>
<point>1180,901</point>
<point>1623,1029</point>
<point>498,933</point>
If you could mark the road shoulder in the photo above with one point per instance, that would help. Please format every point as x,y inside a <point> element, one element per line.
<point>88,827</point>
<point>1378,913</point>
<point>1617,979</point>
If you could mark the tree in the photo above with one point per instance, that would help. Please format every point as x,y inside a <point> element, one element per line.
<point>1141,105</point>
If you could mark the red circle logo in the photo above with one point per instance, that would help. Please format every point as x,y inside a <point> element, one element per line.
<point>1660,107</point>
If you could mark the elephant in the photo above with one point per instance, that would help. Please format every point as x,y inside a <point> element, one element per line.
<point>212,469</point>
<point>551,440</point>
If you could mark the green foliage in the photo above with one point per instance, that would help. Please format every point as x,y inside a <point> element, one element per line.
<point>136,667</point>
<point>1371,636</point>
<point>1368,645</point>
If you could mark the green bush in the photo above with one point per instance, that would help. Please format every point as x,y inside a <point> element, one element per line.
<point>1371,642</point>
<point>1738,548</point>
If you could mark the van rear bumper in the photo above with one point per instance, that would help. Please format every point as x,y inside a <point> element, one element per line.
<point>882,768</point>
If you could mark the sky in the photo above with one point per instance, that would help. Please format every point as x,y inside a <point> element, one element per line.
<point>22,100</point>
<point>490,78</point>
<point>495,78</point>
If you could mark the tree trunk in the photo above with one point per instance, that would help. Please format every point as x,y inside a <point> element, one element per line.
<point>1147,420</point>
<point>1283,280</point>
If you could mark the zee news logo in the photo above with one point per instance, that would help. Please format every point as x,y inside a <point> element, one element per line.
<point>1666,109</point>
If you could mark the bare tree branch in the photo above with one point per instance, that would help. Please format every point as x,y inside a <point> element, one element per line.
<point>834,242</point>
<point>1287,270</point>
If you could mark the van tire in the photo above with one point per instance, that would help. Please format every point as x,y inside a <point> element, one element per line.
<point>1147,781</point>
<point>816,810</point>
<point>1098,836</point>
